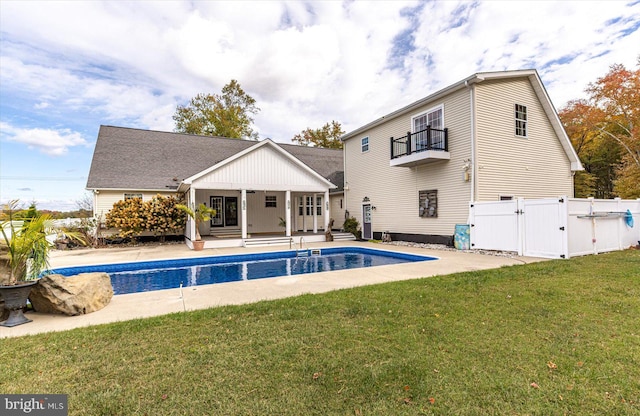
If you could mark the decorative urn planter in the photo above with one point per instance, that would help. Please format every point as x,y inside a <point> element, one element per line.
<point>15,299</point>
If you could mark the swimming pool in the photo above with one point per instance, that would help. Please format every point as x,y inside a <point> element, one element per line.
<point>168,274</point>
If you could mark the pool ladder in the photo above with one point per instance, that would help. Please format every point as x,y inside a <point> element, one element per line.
<point>301,252</point>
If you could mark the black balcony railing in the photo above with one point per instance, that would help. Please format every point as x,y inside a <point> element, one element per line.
<point>420,141</point>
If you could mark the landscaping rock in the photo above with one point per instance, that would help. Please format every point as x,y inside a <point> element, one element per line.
<point>73,295</point>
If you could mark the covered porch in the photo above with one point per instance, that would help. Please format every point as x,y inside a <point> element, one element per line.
<point>262,192</point>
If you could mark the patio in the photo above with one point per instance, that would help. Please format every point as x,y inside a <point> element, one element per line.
<point>141,305</point>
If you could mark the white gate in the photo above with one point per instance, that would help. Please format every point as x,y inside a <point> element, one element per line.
<point>532,227</point>
<point>494,225</point>
<point>555,227</point>
<point>545,226</point>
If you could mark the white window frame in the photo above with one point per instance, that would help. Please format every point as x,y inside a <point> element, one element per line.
<point>521,124</point>
<point>364,144</point>
<point>129,196</point>
<point>422,141</point>
<point>270,201</point>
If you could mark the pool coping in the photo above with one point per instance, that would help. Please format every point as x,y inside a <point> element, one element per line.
<point>147,304</point>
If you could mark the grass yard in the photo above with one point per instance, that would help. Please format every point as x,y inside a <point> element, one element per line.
<point>550,338</point>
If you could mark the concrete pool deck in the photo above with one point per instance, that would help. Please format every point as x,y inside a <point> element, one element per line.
<point>147,304</point>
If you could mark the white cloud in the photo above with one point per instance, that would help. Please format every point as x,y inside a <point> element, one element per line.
<point>66,67</point>
<point>306,63</point>
<point>48,141</point>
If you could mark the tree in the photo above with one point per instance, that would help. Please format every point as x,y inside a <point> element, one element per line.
<point>229,114</point>
<point>598,157</point>
<point>327,136</point>
<point>605,129</point>
<point>85,205</point>
<point>617,96</point>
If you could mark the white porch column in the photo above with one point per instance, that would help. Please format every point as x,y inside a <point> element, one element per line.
<point>288,214</point>
<point>304,213</point>
<point>192,203</point>
<point>315,215</point>
<point>327,211</point>
<point>243,207</point>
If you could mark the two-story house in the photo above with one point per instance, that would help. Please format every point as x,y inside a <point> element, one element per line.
<point>492,136</point>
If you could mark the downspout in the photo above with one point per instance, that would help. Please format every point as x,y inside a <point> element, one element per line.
<point>345,187</point>
<point>472,109</point>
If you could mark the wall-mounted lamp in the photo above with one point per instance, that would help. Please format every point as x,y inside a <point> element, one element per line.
<point>373,208</point>
<point>466,168</point>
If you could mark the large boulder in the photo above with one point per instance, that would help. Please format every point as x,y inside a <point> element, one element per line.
<point>73,295</point>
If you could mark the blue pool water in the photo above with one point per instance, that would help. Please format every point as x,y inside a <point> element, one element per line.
<point>169,274</point>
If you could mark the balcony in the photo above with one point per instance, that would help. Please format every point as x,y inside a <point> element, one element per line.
<point>425,146</point>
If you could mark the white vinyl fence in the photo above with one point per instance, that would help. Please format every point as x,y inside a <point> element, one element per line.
<point>57,224</point>
<point>555,227</point>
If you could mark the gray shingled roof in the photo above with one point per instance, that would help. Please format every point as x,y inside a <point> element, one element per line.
<point>126,158</point>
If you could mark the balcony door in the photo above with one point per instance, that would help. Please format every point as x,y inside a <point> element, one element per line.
<point>435,119</point>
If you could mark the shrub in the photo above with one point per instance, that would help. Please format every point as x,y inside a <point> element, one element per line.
<point>351,225</point>
<point>160,216</point>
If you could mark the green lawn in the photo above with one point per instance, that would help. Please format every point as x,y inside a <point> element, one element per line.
<point>550,338</point>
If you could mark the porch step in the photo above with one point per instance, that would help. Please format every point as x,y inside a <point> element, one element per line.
<point>343,237</point>
<point>266,241</point>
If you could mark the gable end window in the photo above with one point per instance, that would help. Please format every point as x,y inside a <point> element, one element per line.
<point>270,201</point>
<point>365,144</point>
<point>132,196</point>
<point>521,120</point>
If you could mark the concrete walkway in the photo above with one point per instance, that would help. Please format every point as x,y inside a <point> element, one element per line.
<point>141,305</point>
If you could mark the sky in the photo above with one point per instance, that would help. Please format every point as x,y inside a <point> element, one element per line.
<point>67,67</point>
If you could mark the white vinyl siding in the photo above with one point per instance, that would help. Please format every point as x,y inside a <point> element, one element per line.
<point>259,219</point>
<point>337,209</point>
<point>264,169</point>
<point>106,198</point>
<point>534,168</point>
<point>394,191</point>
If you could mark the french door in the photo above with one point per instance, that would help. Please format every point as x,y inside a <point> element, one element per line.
<point>226,211</point>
